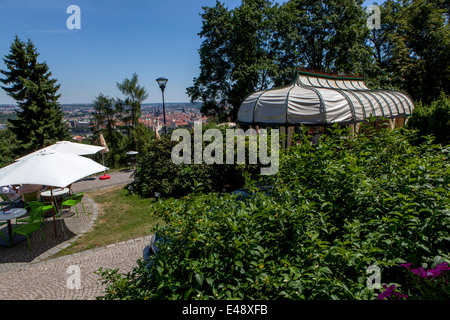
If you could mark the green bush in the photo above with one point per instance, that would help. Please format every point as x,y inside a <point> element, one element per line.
<point>7,143</point>
<point>334,209</point>
<point>433,119</point>
<point>156,172</point>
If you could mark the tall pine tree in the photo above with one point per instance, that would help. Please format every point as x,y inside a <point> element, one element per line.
<point>40,122</point>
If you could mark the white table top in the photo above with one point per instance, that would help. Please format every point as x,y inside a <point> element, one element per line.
<point>56,192</point>
<point>13,213</point>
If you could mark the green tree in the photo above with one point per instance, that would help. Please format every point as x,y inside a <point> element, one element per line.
<point>7,141</point>
<point>234,60</point>
<point>40,121</point>
<point>428,36</point>
<point>105,113</point>
<point>134,96</point>
<point>433,119</point>
<point>135,136</point>
<point>390,53</point>
<point>258,45</point>
<point>412,48</point>
<point>326,35</point>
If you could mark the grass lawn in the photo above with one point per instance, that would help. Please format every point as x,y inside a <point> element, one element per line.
<point>121,217</point>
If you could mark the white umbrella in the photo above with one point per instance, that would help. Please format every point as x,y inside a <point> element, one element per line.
<point>103,144</point>
<point>105,150</point>
<point>74,148</point>
<point>50,168</point>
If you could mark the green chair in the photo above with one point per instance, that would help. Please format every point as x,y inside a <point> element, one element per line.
<point>37,211</point>
<point>5,200</point>
<point>28,229</point>
<point>29,197</point>
<point>48,205</point>
<point>72,201</point>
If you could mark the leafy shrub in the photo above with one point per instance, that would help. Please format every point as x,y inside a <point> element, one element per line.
<point>7,143</point>
<point>334,209</point>
<point>433,119</point>
<point>156,172</point>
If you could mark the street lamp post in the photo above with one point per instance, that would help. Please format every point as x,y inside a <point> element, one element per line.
<point>162,84</point>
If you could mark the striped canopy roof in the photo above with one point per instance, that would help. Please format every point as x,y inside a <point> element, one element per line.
<point>321,99</point>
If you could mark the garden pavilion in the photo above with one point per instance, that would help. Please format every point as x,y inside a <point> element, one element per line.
<point>320,99</point>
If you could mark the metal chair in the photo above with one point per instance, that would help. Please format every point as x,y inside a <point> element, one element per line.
<point>72,201</point>
<point>5,200</point>
<point>28,229</point>
<point>32,196</point>
<point>37,211</point>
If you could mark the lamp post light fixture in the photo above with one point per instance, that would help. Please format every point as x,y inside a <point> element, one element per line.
<point>162,84</point>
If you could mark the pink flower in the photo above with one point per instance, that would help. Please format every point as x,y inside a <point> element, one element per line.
<point>442,266</point>
<point>406,265</point>
<point>389,291</point>
<point>430,273</point>
<point>420,272</point>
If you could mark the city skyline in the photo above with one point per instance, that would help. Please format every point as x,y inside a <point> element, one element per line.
<point>115,40</point>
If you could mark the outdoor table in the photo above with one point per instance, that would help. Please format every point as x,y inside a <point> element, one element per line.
<point>57,193</point>
<point>8,215</point>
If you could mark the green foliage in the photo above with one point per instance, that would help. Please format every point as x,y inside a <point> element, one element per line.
<point>5,117</point>
<point>433,119</point>
<point>334,209</point>
<point>257,46</point>
<point>412,49</point>
<point>40,123</point>
<point>135,95</point>
<point>7,142</point>
<point>156,171</point>
<point>133,135</point>
<point>323,35</point>
<point>233,57</point>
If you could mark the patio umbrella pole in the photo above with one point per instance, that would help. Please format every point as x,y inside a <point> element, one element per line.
<point>54,207</point>
<point>103,161</point>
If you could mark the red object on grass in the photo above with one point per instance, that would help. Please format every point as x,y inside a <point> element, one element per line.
<point>104,177</point>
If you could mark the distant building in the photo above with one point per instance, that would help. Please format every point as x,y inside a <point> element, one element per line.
<point>82,124</point>
<point>73,123</point>
<point>182,124</point>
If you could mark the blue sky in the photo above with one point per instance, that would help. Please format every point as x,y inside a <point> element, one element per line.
<point>117,38</point>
